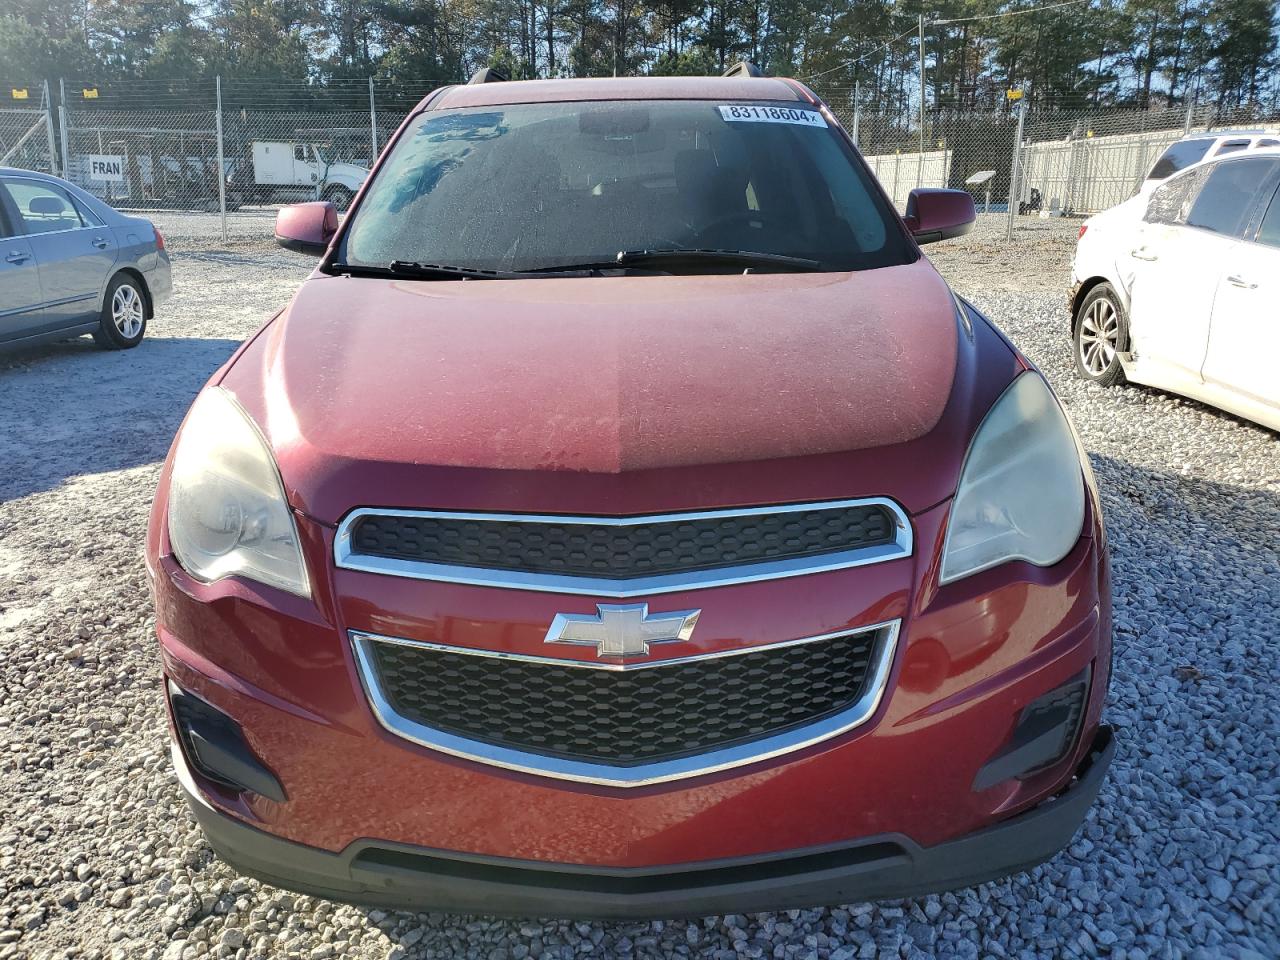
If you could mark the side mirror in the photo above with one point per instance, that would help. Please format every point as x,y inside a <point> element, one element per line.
<point>934,214</point>
<point>307,227</point>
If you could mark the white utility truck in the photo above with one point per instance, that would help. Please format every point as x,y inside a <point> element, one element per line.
<point>292,171</point>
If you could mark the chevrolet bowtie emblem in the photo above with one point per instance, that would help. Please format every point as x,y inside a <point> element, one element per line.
<point>622,629</point>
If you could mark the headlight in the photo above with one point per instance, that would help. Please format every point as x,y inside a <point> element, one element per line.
<point>227,511</point>
<point>1021,493</point>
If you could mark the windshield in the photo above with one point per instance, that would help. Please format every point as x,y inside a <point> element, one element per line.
<point>542,185</point>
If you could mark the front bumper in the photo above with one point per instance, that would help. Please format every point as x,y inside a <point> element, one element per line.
<point>971,658</point>
<point>399,876</point>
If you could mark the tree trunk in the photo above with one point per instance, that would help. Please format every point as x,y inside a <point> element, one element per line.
<point>1149,66</point>
<point>549,14</point>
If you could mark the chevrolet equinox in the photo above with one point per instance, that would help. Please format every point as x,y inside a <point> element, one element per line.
<point>625,519</point>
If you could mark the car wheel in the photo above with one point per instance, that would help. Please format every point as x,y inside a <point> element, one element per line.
<point>1101,334</point>
<point>340,197</point>
<point>124,314</point>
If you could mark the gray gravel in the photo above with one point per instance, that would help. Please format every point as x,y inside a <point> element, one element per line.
<point>99,858</point>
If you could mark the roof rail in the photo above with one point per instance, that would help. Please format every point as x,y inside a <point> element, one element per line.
<point>488,75</point>
<point>743,68</point>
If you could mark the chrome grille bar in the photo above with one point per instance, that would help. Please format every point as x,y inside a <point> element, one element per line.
<point>582,771</point>
<point>347,557</point>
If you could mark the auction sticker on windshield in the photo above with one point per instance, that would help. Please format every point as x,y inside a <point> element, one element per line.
<point>752,114</point>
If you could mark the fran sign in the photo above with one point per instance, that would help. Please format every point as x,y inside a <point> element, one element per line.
<point>106,167</point>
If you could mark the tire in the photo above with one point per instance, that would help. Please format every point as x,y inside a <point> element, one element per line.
<point>1099,335</point>
<point>124,314</point>
<point>340,197</point>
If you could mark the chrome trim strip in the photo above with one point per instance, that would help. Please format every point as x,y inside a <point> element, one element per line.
<point>598,665</point>
<point>582,771</point>
<point>346,558</point>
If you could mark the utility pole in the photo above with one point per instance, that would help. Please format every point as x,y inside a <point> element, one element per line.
<point>222,170</point>
<point>48,129</point>
<point>1015,169</point>
<point>373,125</point>
<point>857,89</point>
<point>62,128</point>
<point>920,164</point>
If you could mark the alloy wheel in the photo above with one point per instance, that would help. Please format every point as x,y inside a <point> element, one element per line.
<point>126,311</point>
<point>1099,337</point>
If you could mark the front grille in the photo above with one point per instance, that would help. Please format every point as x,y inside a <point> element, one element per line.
<point>625,718</point>
<point>622,550</point>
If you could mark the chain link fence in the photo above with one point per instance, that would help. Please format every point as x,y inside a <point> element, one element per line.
<point>1057,162</point>
<point>27,137</point>
<point>237,144</point>
<point>224,146</point>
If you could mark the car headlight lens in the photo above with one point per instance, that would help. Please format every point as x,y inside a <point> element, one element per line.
<point>1021,493</point>
<point>228,515</point>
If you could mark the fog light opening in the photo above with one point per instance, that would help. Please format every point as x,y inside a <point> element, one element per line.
<point>1045,733</point>
<point>215,747</point>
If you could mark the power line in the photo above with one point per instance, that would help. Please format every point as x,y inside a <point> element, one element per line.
<point>850,63</point>
<point>938,23</point>
<point>1008,13</point>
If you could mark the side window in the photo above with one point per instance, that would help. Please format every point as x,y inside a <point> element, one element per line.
<point>90,218</point>
<point>1170,202</point>
<point>1229,195</point>
<point>42,207</point>
<point>1269,143</point>
<point>299,152</point>
<point>1269,232</point>
<point>1179,156</point>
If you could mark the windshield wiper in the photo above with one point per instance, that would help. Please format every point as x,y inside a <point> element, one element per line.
<point>440,271</point>
<point>733,258</point>
<point>664,261</point>
<point>667,259</point>
<point>414,270</point>
<point>418,271</point>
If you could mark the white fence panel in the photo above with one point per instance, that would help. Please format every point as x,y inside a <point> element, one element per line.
<point>1085,175</point>
<point>900,173</point>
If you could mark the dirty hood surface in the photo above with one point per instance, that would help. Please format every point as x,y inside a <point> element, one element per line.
<point>601,375</point>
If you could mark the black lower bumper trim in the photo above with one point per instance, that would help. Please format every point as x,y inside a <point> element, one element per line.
<point>374,873</point>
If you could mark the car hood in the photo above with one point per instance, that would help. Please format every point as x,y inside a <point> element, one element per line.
<point>368,388</point>
<point>343,168</point>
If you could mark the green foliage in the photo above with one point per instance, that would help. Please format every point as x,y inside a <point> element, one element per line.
<point>688,63</point>
<point>1096,53</point>
<point>41,39</point>
<point>1241,41</point>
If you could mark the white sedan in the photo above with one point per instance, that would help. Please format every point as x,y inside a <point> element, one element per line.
<point>1183,292</point>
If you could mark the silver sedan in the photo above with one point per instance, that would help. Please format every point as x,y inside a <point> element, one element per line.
<point>70,265</point>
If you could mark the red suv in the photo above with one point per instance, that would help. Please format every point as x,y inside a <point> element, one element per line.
<point>625,519</point>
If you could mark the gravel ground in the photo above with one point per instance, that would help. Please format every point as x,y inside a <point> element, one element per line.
<point>99,858</point>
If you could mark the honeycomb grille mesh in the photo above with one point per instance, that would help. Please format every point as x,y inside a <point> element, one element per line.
<point>625,718</point>
<point>643,548</point>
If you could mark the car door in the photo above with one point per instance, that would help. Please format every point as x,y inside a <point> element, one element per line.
<point>1192,226</point>
<point>21,302</point>
<point>305,168</point>
<point>1244,335</point>
<point>74,256</point>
